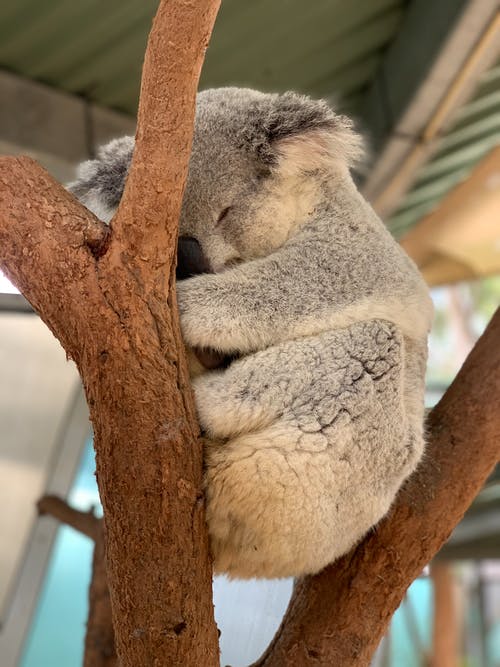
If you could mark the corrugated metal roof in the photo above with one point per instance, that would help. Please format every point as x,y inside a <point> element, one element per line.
<point>327,48</point>
<point>95,49</point>
<point>474,132</point>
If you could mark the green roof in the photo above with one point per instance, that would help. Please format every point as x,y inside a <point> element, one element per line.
<point>326,48</point>
<point>474,132</point>
<point>95,49</point>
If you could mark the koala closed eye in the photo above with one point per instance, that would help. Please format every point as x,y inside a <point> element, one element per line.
<point>223,214</point>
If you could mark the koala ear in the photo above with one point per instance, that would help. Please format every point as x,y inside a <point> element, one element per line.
<point>100,182</point>
<point>302,134</point>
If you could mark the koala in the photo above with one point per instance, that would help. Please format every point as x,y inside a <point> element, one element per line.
<point>316,417</point>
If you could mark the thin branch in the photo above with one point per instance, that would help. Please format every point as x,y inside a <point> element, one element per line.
<point>163,140</point>
<point>84,522</point>
<point>100,649</point>
<point>339,616</point>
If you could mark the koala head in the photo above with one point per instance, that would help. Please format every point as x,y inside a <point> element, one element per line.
<point>257,172</point>
<point>257,169</point>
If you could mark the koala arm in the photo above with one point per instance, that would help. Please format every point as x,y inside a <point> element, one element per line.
<point>232,312</point>
<point>305,288</point>
<point>236,400</point>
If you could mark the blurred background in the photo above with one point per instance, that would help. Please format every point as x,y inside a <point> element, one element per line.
<point>422,80</point>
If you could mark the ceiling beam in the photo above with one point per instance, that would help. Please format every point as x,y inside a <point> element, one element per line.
<point>460,240</point>
<point>430,69</point>
<point>14,303</point>
<point>57,129</point>
<point>478,526</point>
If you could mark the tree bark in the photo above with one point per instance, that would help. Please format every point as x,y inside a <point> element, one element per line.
<point>339,616</point>
<point>100,645</point>
<point>109,296</point>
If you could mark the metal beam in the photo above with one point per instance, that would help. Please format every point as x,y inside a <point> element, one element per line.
<point>459,239</point>
<point>476,527</point>
<point>429,70</point>
<point>14,303</point>
<point>57,129</point>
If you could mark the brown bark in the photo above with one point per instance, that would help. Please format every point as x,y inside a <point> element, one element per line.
<point>110,300</point>
<point>99,639</point>
<point>445,635</point>
<point>100,649</point>
<point>339,616</point>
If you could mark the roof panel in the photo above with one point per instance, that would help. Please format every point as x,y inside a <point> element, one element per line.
<point>474,132</point>
<point>96,49</point>
<point>307,38</point>
<point>350,80</point>
<point>350,48</point>
<point>326,48</point>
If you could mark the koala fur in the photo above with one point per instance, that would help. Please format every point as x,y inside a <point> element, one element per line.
<point>315,425</point>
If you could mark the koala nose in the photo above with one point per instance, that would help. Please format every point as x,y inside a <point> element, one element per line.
<point>190,258</point>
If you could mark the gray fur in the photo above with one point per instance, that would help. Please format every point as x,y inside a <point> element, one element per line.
<point>319,422</point>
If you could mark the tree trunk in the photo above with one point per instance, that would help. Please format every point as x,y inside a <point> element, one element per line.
<point>109,296</point>
<point>339,616</point>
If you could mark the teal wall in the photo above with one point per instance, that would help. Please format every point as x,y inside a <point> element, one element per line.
<point>58,628</point>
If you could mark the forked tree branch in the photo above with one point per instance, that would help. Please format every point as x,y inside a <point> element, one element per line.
<point>339,616</point>
<point>109,297</point>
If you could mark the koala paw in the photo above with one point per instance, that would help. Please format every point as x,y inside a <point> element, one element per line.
<point>194,315</point>
<point>206,318</point>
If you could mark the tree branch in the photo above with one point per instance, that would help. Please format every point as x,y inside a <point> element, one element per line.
<point>100,649</point>
<point>150,206</point>
<point>339,616</point>
<point>109,298</point>
<point>84,522</point>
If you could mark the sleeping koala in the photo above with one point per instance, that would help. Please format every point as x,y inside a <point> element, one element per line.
<point>316,423</point>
